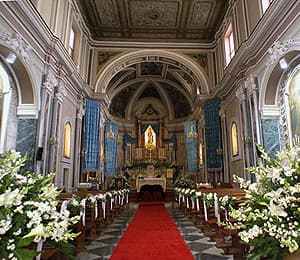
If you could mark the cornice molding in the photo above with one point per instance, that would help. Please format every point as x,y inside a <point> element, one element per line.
<point>270,112</point>
<point>153,45</point>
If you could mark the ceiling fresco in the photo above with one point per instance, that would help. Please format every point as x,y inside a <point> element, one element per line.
<point>151,68</point>
<point>165,83</point>
<point>150,91</point>
<point>181,105</point>
<point>194,20</point>
<point>120,101</point>
<point>103,57</point>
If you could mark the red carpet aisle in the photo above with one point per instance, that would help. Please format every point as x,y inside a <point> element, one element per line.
<point>152,234</point>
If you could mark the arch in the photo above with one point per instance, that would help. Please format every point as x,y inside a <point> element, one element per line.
<point>26,81</point>
<point>125,60</point>
<point>273,102</point>
<point>271,73</point>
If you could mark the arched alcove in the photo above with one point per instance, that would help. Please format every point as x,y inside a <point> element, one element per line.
<point>275,94</point>
<point>22,106</point>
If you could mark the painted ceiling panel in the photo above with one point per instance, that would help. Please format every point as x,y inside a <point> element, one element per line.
<point>153,19</point>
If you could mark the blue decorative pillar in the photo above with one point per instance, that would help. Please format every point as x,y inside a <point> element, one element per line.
<point>26,140</point>
<point>191,141</point>
<point>111,139</point>
<point>212,133</point>
<point>91,135</point>
<point>271,136</point>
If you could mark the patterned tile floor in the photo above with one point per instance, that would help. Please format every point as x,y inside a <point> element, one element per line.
<point>201,247</point>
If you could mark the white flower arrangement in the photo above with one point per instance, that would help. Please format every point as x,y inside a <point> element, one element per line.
<point>101,197</point>
<point>198,195</point>
<point>226,201</point>
<point>209,199</point>
<point>269,219</point>
<point>187,191</point>
<point>28,210</point>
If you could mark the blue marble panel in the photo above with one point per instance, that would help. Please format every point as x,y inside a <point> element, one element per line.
<point>26,140</point>
<point>271,136</point>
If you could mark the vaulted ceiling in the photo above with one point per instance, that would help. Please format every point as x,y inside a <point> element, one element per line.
<point>171,85</point>
<point>189,20</point>
<point>156,83</point>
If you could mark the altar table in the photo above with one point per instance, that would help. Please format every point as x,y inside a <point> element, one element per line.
<point>150,181</point>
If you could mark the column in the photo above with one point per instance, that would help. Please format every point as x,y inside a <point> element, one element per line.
<point>245,135</point>
<point>102,150</point>
<point>45,116</point>
<point>225,157</point>
<point>138,134</point>
<point>254,115</point>
<point>161,133</point>
<point>55,123</point>
<point>77,154</point>
<point>201,132</point>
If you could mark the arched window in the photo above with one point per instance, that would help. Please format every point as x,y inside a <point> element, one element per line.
<point>234,140</point>
<point>294,103</point>
<point>229,44</point>
<point>67,140</point>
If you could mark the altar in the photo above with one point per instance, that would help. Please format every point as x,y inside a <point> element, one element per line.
<point>151,181</point>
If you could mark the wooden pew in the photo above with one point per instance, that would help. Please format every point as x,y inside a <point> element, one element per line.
<point>210,226</point>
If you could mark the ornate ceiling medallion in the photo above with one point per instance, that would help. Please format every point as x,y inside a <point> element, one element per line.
<point>154,13</point>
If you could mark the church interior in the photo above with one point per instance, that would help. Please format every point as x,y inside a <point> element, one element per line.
<point>142,101</point>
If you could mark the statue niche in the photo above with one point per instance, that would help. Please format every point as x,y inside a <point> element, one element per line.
<point>149,134</point>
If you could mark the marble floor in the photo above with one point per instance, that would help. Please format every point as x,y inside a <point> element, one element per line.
<point>201,247</point>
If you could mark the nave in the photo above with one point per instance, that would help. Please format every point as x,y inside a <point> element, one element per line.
<point>201,247</point>
<point>151,98</point>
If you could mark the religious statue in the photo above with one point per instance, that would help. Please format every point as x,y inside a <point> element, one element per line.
<point>150,138</point>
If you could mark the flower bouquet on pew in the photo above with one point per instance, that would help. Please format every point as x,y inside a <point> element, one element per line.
<point>269,219</point>
<point>28,212</point>
<point>184,181</point>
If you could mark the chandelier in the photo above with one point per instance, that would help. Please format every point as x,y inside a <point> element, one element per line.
<point>192,133</point>
<point>110,134</point>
